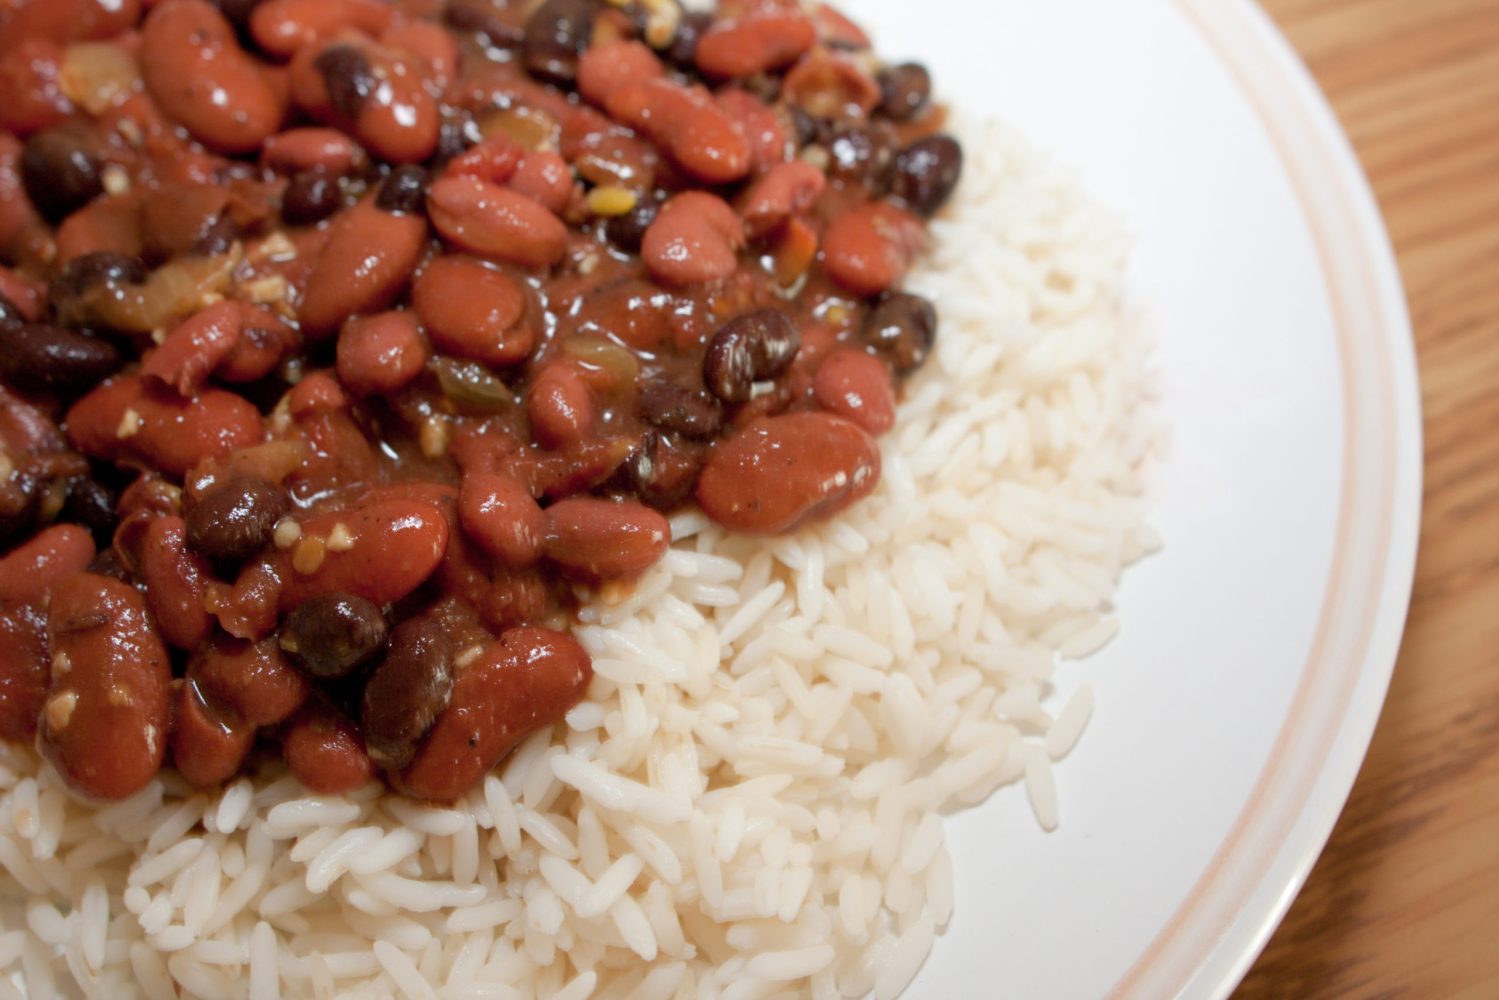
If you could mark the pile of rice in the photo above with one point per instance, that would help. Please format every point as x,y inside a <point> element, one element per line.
<point>749,802</point>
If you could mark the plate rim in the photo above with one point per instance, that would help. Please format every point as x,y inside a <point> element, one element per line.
<point>1227,917</point>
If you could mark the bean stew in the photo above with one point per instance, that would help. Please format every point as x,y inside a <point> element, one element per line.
<point>346,344</point>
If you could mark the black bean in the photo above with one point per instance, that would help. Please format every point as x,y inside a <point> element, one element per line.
<point>348,76</point>
<point>407,691</point>
<point>862,154</point>
<point>10,315</point>
<point>332,635</point>
<point>904,90</point>
<point>81,275</point>
<point>21,500</point>
<point>691,413</point>
<point>690,27</point>
<point>628,231</point>
<point>217,237</point>
<point>903,327</point>
<point>482,17</point>
<point>310,197</point>
<point>404,192</point>
<point>660,472</point>
<point>557,32</point>
<point>758,345</point>
<point>236,519</point>
<point>108,563</point>
<point>927,171</point>
<point>805,127</point>
<point>61,170</point>
<point>457,132</point>
<point>45,358</point>
<point>93,505</point>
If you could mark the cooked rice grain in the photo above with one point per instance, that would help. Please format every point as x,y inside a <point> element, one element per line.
<point>748,802</point>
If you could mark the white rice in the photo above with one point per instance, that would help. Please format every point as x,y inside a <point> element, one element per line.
<point>748,804</point>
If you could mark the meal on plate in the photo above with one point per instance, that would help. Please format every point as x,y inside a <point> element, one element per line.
<point>528,498</point>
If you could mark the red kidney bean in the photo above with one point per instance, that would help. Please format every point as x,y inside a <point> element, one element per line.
<point>786,189</point>
<point>546,178</point>
<point>433,44</point>
<point>379,94</point>
<point>22,232</point>
<point>175,219</point>
<point>195,70</point>
<point>474,311</point>
<point>246,609</point>
<point>364,266</point>
<point>768,35</point>
<point>604,71</point>
<point>281,27</point>
<point>785,470</point>
<point>194,349</point>
<point>32,569</point>
<point>125,420</point>
<point>107,224</point>
<point>830,85</point>
<point>208,745</point>
<point>502,518</point>
<point>927,171</point>
<point>763,126</point>
<point>30,98</point>
<point>869,248</point>
<point>64,20</point>
<point>24,669</point>
<point>837,31</point>
<point>43,358</point>
<point>407,691</point>
<point>594,539</point>
<point>104,726</point>
<point>635,312</point>
<point>393,545</point>
<point>493,160</point>
<point>856,386</point>
<point>686,122</point>
<point>331,635</point>
<point>175,580</point>
<point>748,348</point>
<point>693,240</point>
<point>560,407</point>
<point>317,393</point>
<point>491,221</point>
<point>263,341</point>
<point>251,679</point>
<point>309,148</point>
<point>380,354</point>
<point>324,751</point>
<point>523,682</point>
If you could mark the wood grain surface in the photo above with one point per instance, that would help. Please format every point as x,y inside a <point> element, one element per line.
<point>1404,902</point>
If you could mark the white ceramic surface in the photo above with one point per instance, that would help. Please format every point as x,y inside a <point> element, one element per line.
<point>1235,707</point>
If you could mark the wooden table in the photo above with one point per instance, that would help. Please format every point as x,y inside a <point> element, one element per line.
<point>1405,900</point>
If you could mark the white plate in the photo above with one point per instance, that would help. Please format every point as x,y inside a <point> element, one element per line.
<point>1235,708</point>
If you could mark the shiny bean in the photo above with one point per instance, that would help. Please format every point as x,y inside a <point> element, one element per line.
<point>782,471</point>
<point>90,276</point>
<point>692,413</point>
<point>627,231</point>
<point>281,27</point>
<point>264,339</point>
<point>30,97</point>
<point>208,745</point>
<point>299,149</point>
<point>324,751</point>
<point>195,70</point>
<point>869,248</point>
<point>310,197</point>
<point>545,178</point>
<point>407,691</point>
<point>125,420</point>
<point>524,681</point>
<point>593,539</point>
<point>927,171</point>
<point>176,219</point>
<point>690,126</point>
<point>24,670</point>
<point>364,266</point>
<point>254,680</point>
<point>42,358</point>
<point>403,192</point>
<point>830,85</point>
<point>380,354</point>
<point>786,189</point>
<point>474,311</point>
<point>379,93</point>
<point>91,504</point>
<point>605,71</point>
<point>491,221</point>
<point>903,327</point>
<point>235,519</point>
<point>561,410</point>
<point>176,580</point>
<point>191,352</point>
<point>769,34</point>
<point>30,570</point>
<point>856,386</point>
<point>748,349</point>
<point>61,169</point>
<point>556,34</point>
<point>693,240</point>
<point>332,635</point>
<point>502,518</point>
<point>905,90</point>
<point>104,726</point>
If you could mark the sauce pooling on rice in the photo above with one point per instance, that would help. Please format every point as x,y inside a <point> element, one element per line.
<point>344,343</point>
